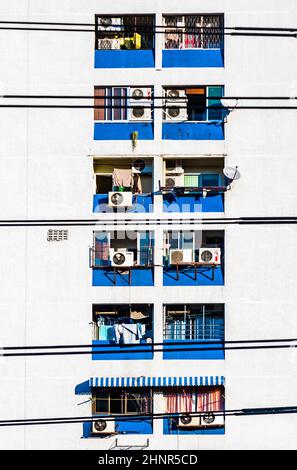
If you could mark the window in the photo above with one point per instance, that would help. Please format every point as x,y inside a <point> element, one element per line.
<point>193,32</point>
<point>194,399</point>
<point>122,401</point>
<point>193,103</point>
<point>111,104</point>
<point>192,240</point>
<point>124,32</point>
<point>194,322</point>
<point>141,244</point>
<point>124,175</point>
<point>123,103</point>
<point>135,320</point>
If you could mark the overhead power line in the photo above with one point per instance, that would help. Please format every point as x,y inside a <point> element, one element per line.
<point>248,32</point>
<point>237,28</point>
<point>149,347</point>
<point>193,108</point>
<point>151,98</point>
<point>153,416</point>
<point>156,221</point>
<point>244,341</point>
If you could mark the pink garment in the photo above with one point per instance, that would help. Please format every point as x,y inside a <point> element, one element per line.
<point>122,177</point>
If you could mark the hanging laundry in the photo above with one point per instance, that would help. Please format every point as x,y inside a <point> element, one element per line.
<point>122,178</point>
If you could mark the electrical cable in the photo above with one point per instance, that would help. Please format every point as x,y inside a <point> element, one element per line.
<point>153,416</point>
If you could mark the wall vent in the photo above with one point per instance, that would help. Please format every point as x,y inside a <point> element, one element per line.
<point>57,235</point>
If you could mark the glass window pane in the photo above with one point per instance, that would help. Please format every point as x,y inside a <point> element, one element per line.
<point>102,399</point>
<point>186,240</point>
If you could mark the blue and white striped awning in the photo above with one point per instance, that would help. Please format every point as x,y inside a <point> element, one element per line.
<point>202,381</point>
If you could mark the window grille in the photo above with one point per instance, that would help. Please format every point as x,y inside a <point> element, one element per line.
<point>193,32</point>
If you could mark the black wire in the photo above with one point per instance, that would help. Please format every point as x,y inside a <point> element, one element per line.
<point>158,222</point>
<point>149,349</point>
<point>152,416</point>
<point>77,106</point>
<point>75,30</point>
<point>57,346</point>
<point>244,28</point>
<point>122,97</point>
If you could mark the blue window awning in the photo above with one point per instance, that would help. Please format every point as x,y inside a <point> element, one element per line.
<point>200,381</point>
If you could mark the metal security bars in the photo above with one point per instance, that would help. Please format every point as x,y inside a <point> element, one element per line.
<point>193,32</point>
<point>194,322</point>
<point>124,32</point>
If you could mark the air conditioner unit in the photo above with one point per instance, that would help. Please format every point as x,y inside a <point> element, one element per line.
<point>210,255</point>
<point>174,167</point>
<point>109,43</point>
<point>121,259</point>
<point>173,112</point>
<point>141,167</point>
<point>181,256</point>
<point>102,426</point>
<point>175,95</point>
<point>206,419</point>
<point>109,23</point>
<point>176,181</point>
<point>209,419</point>
<point>120,199</point>
<point>140,95</point>
<point>140,113</point>
<point>188,421</point>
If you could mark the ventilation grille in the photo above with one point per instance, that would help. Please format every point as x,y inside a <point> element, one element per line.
<point>57,235</point>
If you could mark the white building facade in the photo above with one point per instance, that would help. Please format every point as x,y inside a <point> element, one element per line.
<point>190,280</point>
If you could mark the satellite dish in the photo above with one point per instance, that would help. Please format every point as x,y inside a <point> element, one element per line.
<point>231,173</point>
<point>229,103</point>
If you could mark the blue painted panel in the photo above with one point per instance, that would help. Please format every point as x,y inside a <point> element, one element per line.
<point>135,426</point>
<point>106,59</point>
<point>193,131</point>
<point>142,203</point>
<point>205,276</point>
<point>170,427</point>
<point>123,130</point>
<point>193,203</point>
<point>193,58</point>
<point>187,344</point>
<point>140,277</point>
<point>121,352</point>
<point>127,426</point>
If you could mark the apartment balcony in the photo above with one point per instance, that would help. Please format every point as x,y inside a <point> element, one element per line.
<point>123,185</point>
<point>193,113</point>
<point>122,332</point>
<point>122,259</point>
<point>123,113</point>
<point>193,41</point>
<point>125,41</point>
<point>193,258</point>
<point>194,332</point>
<point>194,185</point>
<point>192,405</point>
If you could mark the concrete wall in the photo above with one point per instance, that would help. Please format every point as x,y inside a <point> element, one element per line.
<point>46,172</point>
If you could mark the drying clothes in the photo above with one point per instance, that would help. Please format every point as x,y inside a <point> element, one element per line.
<point>118,332</point>
<point>104,332</point>
<point>122,178</point>
<point>137,186</point>
<point>131,334</point>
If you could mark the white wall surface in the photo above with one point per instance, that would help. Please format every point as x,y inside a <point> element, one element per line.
<point>46,159</point>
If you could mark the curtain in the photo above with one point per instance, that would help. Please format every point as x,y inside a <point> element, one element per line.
<point>101,250</point>
<point>189,400</point>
